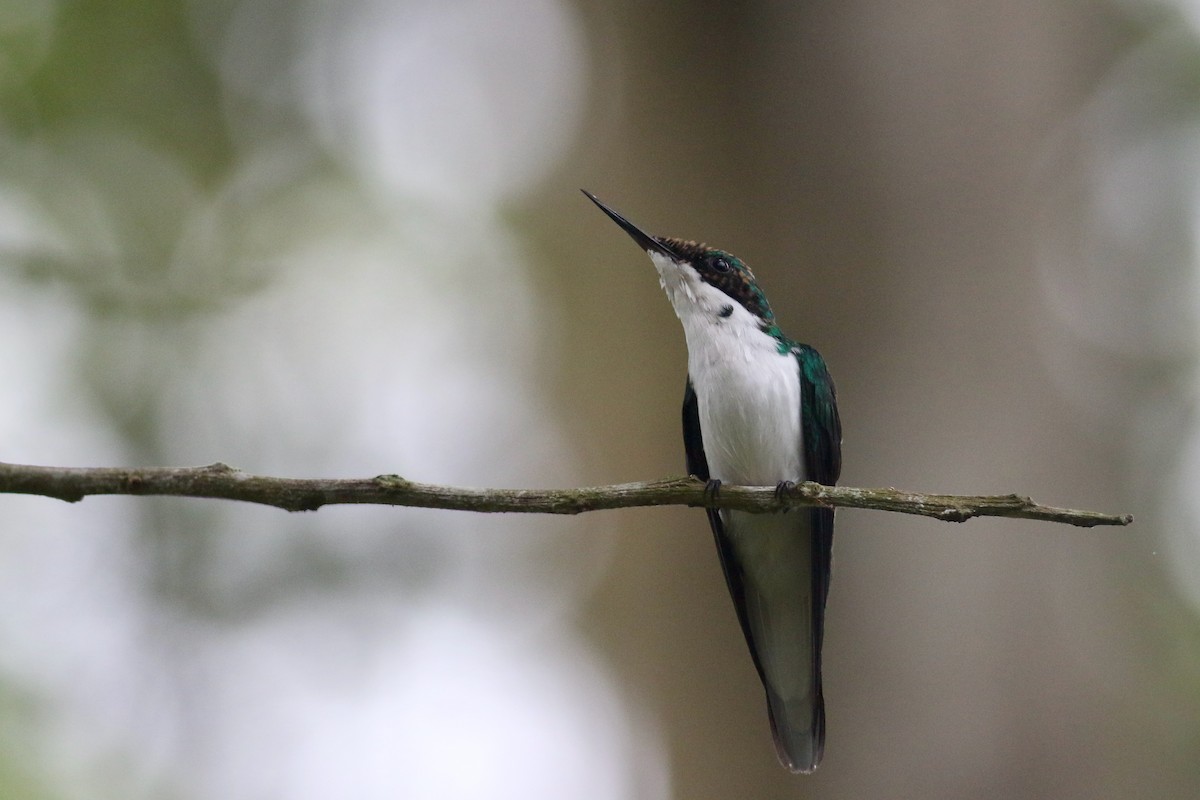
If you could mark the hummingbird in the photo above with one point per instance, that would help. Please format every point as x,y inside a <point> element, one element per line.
<point>758,410</point>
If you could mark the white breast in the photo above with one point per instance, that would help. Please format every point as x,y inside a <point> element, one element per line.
<point>749,403</point>
<point>747,392</point>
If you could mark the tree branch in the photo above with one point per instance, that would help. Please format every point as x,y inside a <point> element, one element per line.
<point>304,494</point>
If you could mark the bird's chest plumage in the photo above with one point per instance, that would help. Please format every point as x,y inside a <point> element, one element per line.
<point>748,399</point>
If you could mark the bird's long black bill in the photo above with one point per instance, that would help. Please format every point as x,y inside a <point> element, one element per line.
<point>643,239</point>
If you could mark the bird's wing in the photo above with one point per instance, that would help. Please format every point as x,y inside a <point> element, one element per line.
<point>731,565</point>
<point>822,428</point>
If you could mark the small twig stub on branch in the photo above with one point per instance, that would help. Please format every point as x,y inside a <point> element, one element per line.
<point>308,494</point>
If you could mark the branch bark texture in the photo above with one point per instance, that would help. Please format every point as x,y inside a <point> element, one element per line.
<point>308,494</point>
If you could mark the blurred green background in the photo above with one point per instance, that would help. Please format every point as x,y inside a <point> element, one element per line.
<point>346,238</point>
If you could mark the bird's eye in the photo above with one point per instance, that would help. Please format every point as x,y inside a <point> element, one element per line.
<point>721,264</point>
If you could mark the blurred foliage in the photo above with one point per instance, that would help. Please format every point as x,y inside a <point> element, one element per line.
<point>130,65</point>
<point>21,775</point>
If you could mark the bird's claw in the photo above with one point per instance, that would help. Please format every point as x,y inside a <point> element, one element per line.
<point>783,489</point>
<point>712,488</point>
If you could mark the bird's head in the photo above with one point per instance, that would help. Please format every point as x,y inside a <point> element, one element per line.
<point>701,281</point>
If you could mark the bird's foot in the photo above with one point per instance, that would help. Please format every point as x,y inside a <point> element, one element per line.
<point>711,489</point>
<point>782,490</point>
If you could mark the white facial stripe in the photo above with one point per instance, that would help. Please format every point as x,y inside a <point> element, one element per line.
<point>694,300</point>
